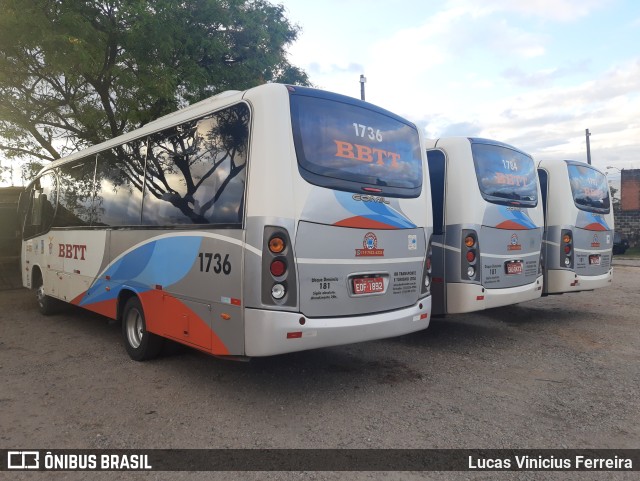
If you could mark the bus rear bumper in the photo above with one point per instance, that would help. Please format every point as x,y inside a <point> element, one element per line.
<point>277,332</point>
<point>463,298</point>
<point>561,281</point>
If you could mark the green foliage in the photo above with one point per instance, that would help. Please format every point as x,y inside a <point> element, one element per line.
<point>75,73</point>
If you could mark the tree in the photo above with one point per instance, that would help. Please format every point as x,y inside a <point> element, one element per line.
<point>75,73</point>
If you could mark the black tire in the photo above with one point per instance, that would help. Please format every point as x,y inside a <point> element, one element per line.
<point>47,305</point>
<point>141,344</point>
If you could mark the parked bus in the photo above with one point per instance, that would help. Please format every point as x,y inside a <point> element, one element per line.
<point>578,217</point>
<point>253,223</point>
<point>488,225</point>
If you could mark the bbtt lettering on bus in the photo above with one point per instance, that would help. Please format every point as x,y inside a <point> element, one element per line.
<point>71,251</point>
<point>347,150</point>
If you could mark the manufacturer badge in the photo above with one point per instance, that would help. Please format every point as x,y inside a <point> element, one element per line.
<point>370,247</point>
<point>514,245</point>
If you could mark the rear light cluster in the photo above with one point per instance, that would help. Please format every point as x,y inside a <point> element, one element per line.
<point>278,275</point>
<point>470,253</point>
<point>566,249</point>
<point>428,266</point>
<point>541,263</point>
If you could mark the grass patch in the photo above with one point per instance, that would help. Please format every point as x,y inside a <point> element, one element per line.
<point>631,252</point>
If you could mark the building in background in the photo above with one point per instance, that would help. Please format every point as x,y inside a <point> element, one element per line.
<point>627,212</point>
<point>9,232</point>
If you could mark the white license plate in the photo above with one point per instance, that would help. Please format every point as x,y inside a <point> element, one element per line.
<point>368,285</point>
<point>594,260</point>
<point>513,267</point>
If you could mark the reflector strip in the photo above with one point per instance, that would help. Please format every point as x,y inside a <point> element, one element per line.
<point>230,300</point>
<point>294,335</point>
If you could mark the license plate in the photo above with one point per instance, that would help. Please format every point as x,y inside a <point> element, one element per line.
<point>368,285</point>
<point>513,267</point>
<point>594,260</point>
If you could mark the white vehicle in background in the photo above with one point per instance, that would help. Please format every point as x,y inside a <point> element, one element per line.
<point>579,227</point>
<point>488,225</point>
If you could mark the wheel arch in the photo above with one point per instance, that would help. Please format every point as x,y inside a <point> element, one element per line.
<point>123,296</point>
<point>36,275</point>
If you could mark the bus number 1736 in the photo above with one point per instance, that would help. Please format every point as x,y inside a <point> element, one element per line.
<point>219,264</point>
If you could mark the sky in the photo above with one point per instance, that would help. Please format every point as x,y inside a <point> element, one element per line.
<point>534,74</point>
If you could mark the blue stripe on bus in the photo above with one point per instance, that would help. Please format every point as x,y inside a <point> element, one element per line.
<point>159,262</point>
<point>518,216</point>
<point>376,211</point>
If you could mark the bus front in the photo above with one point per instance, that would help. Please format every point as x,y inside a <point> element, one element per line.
<point>351,264</point>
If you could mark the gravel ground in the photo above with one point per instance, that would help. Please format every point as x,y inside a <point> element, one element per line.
<point>557,372</point>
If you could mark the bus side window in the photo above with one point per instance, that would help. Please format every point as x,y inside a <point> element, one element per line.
<point>42,206</point>
<point>76,193</point>
<point>436,161</point>
<point>196,171</point>
<point>542,177</point>
<point>118,185</point>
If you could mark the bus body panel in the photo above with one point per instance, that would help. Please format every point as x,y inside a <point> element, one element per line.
<point>592,233</point>
<point>332,260</point>
<point>271,332</point>
<point>506,234</point>
<point>463,298</point>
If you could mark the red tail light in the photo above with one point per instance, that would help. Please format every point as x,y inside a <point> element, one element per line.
<point>471,256</point>
<point>277,268</point>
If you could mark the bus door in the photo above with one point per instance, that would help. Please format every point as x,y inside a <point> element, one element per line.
<point>437,175</point>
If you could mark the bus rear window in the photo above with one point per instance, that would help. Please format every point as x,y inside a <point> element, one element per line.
<point>344,145</point>
<point>505,176</point>
<point>589,188</point>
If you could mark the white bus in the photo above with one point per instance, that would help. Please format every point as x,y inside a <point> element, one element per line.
<point>488,225</point>
<point>578,238</point>
<point>253,223</point>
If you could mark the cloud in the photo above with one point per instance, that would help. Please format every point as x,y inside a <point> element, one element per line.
<point>550,122</point>
<point>316,68</point>
<point>557,10</point>
<point>542,78</point>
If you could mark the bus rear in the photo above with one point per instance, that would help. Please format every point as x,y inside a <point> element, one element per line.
<point>343,231</point>
<point>579,226</point>
<point>488,225</point>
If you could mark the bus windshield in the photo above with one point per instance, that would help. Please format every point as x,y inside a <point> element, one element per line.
<point>589,188</point>
<point>347,146</point>
<point>505,176</point>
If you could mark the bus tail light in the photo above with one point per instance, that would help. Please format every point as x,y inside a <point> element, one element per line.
<point>566,249</point>
<point>470,251</point>
<point>276,244</point>
<point>428,266</point>
<point>278,278</point>
<point>541,262</point>
<point>278,268</point>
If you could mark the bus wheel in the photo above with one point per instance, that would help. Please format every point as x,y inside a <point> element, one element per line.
<point>141,344</point>
<point>46,304</point>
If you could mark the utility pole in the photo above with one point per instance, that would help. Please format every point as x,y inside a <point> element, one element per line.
<point>362,82</point>
<point>588,134</point>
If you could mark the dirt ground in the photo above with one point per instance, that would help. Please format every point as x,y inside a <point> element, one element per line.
<point>557,372</point>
